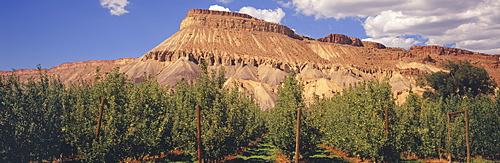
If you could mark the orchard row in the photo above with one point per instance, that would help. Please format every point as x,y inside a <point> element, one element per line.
<point>43,119</point>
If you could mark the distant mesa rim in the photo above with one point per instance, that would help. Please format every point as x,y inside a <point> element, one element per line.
<point>220,13</point>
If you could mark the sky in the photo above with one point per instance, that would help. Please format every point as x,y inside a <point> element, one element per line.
<point>52,32</point>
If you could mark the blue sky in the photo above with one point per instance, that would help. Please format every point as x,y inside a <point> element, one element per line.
<point>52,32</point>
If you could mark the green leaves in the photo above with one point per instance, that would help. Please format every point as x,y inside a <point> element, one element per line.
<point>464,79</point>
<point>30,119</point>
<point>354,120</point>
<point>282,120</point>
<point>42,119</point>
<point>229,119</point>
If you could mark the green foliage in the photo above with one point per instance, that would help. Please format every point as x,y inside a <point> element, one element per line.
<point>135,119</point>
<point>145,119</point>
<point>464,79</point>
<point>354,121</point>
<point>42,119</point>
<point>30,119</point>
<point>229,119</point>
<point>408,138</point>
<point>283,119</point>
<point>484,121</point>
<point>420,127</point>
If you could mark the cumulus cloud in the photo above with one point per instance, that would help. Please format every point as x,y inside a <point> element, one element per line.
<point>218,8</point>
<point>116,7</point>
<point>225,1</point>
<point>473,25</point>
<point>391,41</point>
<point>265,14</point>
<point>286,4</point>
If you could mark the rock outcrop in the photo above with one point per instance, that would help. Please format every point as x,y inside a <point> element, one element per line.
<point>222,38</point>
<point>439,50</point>
<point>72,72</point>
<point>224,20</point>
<point>341,39</point>
<point>257,55</point>
<point>438,54</point>
<point>370,44</point>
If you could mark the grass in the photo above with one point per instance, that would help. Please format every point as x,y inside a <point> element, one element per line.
<point>406,160</point>
<point>265,152</point>
<point>323,155</point>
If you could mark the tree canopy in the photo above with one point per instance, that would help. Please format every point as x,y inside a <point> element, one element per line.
<point>463,79</point>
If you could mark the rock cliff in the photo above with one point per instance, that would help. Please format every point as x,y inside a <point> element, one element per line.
<point>71,72</point>
<point>341,39</point>
<point>257,55</point>
<point>373,45</point>
<point>439,50</point>
<point>224,20</point>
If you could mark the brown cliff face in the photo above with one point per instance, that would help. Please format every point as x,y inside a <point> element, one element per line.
<point>446,51</point>
<point>219,13</point>
<point>257,55</point>
<point>439,54</point>
<point>370,44</point>
<point>223,20</point>
<point>439,50</point>
<point>230,39</point>
<point>71,72</point>
<point>341,39</point>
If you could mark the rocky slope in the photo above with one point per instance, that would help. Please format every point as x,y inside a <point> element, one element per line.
<point>71,72</point>
<point>257,55</point>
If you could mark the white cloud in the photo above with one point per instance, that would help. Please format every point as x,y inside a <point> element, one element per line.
<point>286,4</point>
<point>473,25</point>
<point>116,7</point>
<point>264,14</point>
<point>225,1</point>
<point>490,51</point>
<point>395,41</point>
<point>218,8</point>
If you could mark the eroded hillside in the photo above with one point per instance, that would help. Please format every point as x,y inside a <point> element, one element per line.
<point>257,55</point>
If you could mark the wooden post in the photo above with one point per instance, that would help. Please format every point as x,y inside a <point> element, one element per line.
<point>198,124</point>
<point>297,138</point>
<point>449,139</point>
<point>98,129</point>
<point>386,123</point>
<point>467,134</point>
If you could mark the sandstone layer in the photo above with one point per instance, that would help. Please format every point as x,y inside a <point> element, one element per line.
<point>71,72</point>
<point>257,55</point>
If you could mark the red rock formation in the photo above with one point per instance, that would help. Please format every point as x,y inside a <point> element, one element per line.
<point>258,54</point>
<point>198,18</point>
<point>341,39</point>
<point>370,44</point>
<point>446,51</point>
<point>71,72</point>
<point>441,50</point>
<point>219,13</point>
<point>23,72</point>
